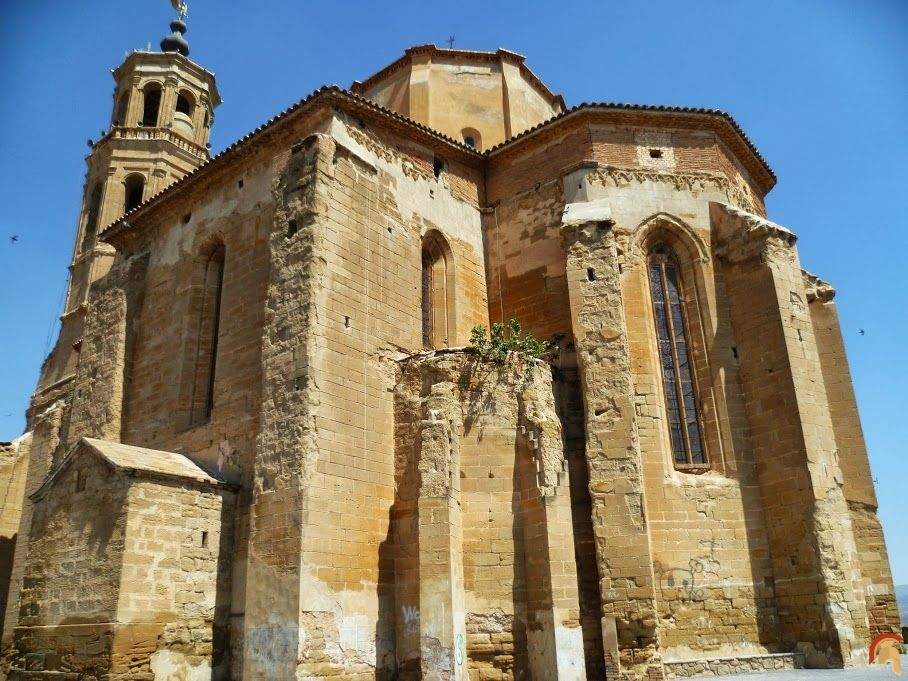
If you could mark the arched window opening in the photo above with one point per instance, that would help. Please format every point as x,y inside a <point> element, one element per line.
<point>151,104</point>
<point>206,308</point>
<point>674,357</point>
<point>472,138</point>
<point>91,220</point>
<point>437,292</point>
<point>122,108</point>
<point>185,103</point>
<point>135,188</point>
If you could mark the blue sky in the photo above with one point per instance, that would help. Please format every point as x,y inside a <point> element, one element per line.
<point>821,87</point>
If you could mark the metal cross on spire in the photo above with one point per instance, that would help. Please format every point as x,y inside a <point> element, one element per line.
<point>181,7</point>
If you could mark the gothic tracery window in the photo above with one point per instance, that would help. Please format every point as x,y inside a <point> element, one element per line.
<point>674,357</point>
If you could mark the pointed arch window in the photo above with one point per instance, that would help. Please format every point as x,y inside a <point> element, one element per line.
<point>207,312</point>
<point>437,292</point>
<point>678,379</point>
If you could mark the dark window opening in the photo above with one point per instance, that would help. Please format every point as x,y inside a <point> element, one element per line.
<point>674,357</point>
<point>590,274</point>
<point>204,538</point>
<point>91,221</point>
<point>135,188</point>
<point>151,105</point>
<point>438,166</point>
<point>655,153</point>
<point>292,228</point>
<point>470,141</point>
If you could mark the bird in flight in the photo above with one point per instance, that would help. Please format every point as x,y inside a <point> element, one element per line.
<point>14,238</point>
<point>861,331</point>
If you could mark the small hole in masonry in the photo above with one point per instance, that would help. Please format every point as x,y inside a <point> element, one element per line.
<point>590,274</point>
<point>204,538</point>
<point>600,412</point>
<point>240,184</point>
<point>346,322</point>
<point>734,352</point>
<point>438,166</point>
<point>292,228</point>
<point>187,218</point>
<point>800,337</point>
<point>389,230</point>
<point>655,153</point>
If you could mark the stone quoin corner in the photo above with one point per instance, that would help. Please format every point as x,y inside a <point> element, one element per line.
<point>263,446</point>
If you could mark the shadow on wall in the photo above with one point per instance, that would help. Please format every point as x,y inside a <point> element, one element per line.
<point>7,549</point>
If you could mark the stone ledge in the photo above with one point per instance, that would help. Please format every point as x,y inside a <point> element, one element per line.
<point>741,664</point>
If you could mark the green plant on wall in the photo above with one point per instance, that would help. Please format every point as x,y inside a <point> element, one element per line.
<point>504,338</point>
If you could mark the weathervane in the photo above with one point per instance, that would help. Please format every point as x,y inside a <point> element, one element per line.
<point>181,7</point>
<point>450,42</point>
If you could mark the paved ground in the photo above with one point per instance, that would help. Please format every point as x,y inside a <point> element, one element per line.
<point>873,673</point>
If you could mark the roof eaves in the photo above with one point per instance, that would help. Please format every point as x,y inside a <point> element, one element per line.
<point>586,106</point>
<point>242,143</point>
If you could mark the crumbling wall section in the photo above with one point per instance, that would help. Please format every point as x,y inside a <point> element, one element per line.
<point>509,479</point>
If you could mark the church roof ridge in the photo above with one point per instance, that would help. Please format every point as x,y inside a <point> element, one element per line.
<point>121,223</point>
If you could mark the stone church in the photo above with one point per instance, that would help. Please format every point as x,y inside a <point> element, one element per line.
<point>263,446</point>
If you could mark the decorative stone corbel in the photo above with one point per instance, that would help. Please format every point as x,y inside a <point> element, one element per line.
<point>816,288</point>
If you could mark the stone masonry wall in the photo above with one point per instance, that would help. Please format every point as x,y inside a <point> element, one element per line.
<point>70,590</point>
<point>13,471</point>
<point>858,488</point>
<point>344,301</point>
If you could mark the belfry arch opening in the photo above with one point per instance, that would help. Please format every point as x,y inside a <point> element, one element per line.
<point>437,292</point>
<point>135,189</point>
<point>151,104</point>
<point>185,103</point>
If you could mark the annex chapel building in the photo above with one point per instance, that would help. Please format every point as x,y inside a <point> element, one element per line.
<point>263,448</point>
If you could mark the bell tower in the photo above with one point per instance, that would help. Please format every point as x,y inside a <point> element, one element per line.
<point>160,123</point>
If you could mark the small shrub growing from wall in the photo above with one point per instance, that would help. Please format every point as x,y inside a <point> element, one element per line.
<point>502,339</point>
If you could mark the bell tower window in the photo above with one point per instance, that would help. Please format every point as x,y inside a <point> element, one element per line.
<point>151,105</point>
<point>678,380</point>
<point>135,188</point>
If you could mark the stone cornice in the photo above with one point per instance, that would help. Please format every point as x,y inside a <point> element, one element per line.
<point>619,176</point>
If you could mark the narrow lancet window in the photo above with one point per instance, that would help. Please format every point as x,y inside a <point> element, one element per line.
<point>437,292</point>
<point>674,357</point>
<point>206,349</point>
<point>151,105</point>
